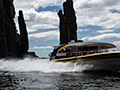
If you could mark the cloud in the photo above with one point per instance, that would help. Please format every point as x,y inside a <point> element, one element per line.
<point>42,47</point>
<point>37,3</point>
<point>81,30</point>
<point>97,12</point>
<point>110,2</point>
<point>117,43</point>
<point>44,36</point>
<point>104,31</point>
<point>88,12</point>
<point>44,50</point>
<point>37,20</point>
<point>40,20</point>
<point>110,36</point>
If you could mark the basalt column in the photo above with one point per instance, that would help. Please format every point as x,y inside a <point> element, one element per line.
<point>63,30</point>
<point>10,27</point>
<point>23,33</point>
<point>3,45</point>
<point>69,22</point>
<point>7,29</point>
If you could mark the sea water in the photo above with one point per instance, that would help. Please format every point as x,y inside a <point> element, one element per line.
<point>41,74</point>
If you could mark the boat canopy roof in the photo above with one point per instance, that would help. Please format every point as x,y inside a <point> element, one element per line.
<point>88,44</point>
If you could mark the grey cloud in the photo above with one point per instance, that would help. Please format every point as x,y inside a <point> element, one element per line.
<point>44,36</point>
<point>31,18</point>
<point>110,36</point>
<point>110,2</point>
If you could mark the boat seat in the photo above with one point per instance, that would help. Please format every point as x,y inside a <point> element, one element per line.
<point>68,54</point>
<point>74,54</point>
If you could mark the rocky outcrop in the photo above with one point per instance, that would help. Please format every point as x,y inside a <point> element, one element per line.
<point>23,33</point>
<point>68,25</point>
<point>62,29</point>
<point>12,44</point>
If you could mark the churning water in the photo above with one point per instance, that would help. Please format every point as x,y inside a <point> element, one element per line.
<point>41,65</point>
<point>40,74</point>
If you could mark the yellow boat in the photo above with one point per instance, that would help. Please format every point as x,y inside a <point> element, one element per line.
<point>93,53</point>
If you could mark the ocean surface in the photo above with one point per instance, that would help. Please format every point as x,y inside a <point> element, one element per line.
<point>40,74</point>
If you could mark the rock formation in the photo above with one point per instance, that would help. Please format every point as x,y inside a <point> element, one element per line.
<point>23,33</point>
<point>68,25</point>
<point>12,44</point>
<point>63,30</point>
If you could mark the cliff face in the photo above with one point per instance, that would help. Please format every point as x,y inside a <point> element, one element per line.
<point>12,43</point>
<point>68,25</point>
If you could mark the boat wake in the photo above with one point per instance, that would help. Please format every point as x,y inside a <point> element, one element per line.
<point>42,65</point>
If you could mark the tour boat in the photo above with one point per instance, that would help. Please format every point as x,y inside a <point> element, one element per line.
<point>92,53</point>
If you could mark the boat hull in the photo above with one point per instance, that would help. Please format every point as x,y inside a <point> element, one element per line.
<point>106,61</point>
<point>112,64</point>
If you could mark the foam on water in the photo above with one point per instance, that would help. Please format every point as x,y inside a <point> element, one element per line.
<point>42,65</point>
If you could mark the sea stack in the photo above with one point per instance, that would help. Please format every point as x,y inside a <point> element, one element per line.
<point>23,33</point>
<point>68,25</point>
<point>12,44</point>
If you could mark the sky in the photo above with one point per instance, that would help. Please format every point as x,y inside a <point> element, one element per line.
<point>97,21</point>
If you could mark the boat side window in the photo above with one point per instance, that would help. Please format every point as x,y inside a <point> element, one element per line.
<point>94,48</point>
<point>104,50</point>
<point>54,50</point>
<point>85,49</point>
<point>63,51</point>
<point>102,47</point>
<point>68,50</point>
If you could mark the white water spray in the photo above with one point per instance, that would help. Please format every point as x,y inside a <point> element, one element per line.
<point>42,65</point>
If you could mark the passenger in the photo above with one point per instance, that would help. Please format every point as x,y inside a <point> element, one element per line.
<point>91,52</point>
<point>63,51</point>
<point>68,50</point>
<point>106,51</point>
